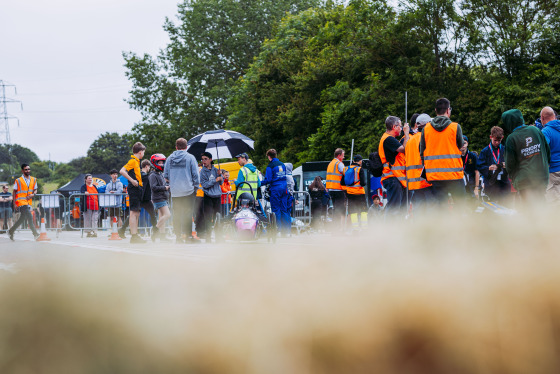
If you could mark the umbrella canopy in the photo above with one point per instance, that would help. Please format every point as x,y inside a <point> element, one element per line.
<point>220,144</point>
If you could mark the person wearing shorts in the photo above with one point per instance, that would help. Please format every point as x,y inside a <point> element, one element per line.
<point>160,195</point>
<point>131,171</point>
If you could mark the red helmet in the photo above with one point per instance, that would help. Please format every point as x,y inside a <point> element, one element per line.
<point>157,158</point>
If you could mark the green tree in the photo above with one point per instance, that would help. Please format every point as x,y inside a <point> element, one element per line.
<point>41,170</point>
<point>184,90</point>
<point>108,151</point>
<point>20,154</point>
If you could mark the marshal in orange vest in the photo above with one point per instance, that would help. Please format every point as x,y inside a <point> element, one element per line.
<point>442,158</point>
<point>414,164</point>
<point>397,169</point>
<point>334,176</point>
<point>355,188</point>
<point>24,190</point>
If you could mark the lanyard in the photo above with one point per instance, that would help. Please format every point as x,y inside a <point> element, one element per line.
<point>496,159</point>
<point>466,160</point>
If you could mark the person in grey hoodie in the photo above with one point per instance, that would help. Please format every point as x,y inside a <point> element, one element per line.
<point>181,172</point>
<point>443,144</point>
<point>291,183</point>
<point>210,179</point>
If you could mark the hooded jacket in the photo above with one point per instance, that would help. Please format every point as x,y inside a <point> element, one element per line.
<point>208,178</point>
<point>181,170</point>
<point>157,184</point>
<point>527,152</point>
<point>439,124</point>
<point>552,135</point>
<point>289,177</point>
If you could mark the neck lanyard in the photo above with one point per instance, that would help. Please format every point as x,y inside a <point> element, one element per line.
<point>466,159</point>
<point>496,159</point>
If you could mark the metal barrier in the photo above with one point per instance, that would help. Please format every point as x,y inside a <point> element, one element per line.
<point>93,212</point>
<point>301,210</point>
<point>51,207</point>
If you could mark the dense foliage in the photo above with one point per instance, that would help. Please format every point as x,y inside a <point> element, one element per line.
<point>308,76</point>
<point>332,75</point>
<point>184,90</point>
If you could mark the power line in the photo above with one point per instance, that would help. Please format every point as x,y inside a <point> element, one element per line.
<point>4,115</point>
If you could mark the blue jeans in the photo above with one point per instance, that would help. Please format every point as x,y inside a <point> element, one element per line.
<point>279,205</point>
<point>395,194</point>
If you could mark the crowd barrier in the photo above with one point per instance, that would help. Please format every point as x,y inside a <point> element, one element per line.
<point>51,207</point>
<point>95,212</point>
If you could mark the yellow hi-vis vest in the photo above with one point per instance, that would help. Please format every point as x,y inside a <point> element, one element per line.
<point>23,191</point>
<point>251,177</point>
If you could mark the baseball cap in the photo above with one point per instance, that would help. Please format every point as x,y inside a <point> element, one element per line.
<point>358,158</point>
<point>423,119</point>
<point>465,138</point>
<point>244,155</point>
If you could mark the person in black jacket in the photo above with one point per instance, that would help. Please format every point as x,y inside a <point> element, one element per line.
<point>160,194</point>
<point>145,200</point>
<point>319,200</point>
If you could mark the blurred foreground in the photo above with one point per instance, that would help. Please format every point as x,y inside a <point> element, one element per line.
<point>449,295</point>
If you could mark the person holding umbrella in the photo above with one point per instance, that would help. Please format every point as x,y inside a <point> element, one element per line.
<point>211,179</point>
<point>276,176</point>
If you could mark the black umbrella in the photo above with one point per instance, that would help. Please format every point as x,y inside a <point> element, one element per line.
<point>220,143</point>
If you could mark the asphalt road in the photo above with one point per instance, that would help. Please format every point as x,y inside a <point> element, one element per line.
<point>24,252</point>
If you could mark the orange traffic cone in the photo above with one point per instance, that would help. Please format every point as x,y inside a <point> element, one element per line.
<point>43,234</point>
<point>114,232</point>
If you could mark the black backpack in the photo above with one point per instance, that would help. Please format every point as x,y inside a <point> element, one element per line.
<point>375,164</point>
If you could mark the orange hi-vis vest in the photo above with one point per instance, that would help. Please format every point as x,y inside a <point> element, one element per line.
<point>355,188</point>
<point>414,164</point>
<point>442,158</point>
<point>396,170</point>
<point>334,176</point>
<point>23,191</point>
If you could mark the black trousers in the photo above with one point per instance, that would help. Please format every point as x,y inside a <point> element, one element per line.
<point>212,205</point>
<point>183,208</point>
<point>25,215</point>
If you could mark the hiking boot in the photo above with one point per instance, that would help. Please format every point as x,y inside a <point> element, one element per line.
<point>94,234</point>
<point>121,233</point>
<point>136,239</point>
<point>155,234</point>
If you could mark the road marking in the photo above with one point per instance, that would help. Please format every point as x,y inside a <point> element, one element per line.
<point>10,268</point>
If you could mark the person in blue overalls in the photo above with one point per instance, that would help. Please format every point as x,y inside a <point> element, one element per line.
<point>276,176</point>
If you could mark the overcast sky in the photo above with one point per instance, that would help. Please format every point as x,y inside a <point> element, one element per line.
<point>65,59</point>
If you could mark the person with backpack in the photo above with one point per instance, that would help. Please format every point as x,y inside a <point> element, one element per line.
<point>391,153</point>
<point>355,180</point>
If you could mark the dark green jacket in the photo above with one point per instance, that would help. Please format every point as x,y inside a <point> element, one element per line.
<point>527,158</point>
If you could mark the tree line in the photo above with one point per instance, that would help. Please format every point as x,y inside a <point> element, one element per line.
<point>314,75</point>
<point>308,76</point>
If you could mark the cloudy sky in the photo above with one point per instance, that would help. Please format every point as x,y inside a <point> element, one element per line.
<point>65,59</point>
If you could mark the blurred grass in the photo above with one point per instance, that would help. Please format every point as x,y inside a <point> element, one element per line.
<point>49,186</point>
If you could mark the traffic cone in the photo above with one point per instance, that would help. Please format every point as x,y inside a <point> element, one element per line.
<point>114,232</point>
<point>43,234</point>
